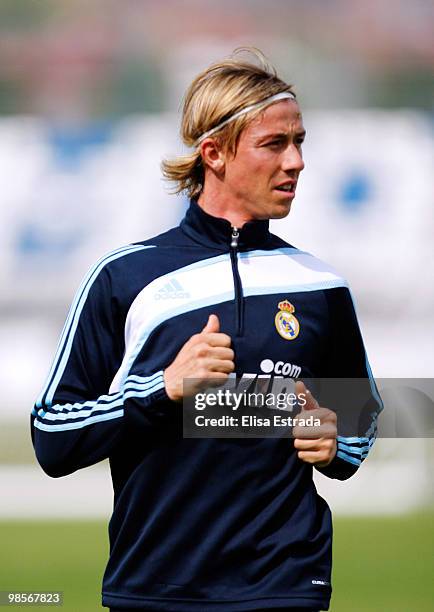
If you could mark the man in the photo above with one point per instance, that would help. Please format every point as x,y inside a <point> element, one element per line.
<point>209,524</point>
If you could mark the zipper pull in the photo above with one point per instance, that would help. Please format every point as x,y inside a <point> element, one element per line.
<point>235,236</point>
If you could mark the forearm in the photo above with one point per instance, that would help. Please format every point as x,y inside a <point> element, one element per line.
<point>70,436</point>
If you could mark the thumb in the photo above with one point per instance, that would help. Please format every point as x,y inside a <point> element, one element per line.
<point>213,324</point>
<point>307,400</point>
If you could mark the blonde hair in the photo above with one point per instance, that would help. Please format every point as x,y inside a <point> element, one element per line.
<point>215,95</point>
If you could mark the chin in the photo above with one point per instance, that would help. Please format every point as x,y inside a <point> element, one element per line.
<point>281,212</point>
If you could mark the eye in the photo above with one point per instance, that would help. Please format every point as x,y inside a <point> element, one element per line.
<point>299,141</point>
<point>277,142</point>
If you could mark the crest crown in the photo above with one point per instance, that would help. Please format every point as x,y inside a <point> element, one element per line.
<point>286,306</point>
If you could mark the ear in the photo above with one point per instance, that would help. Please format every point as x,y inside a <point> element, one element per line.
<point>212,154</point>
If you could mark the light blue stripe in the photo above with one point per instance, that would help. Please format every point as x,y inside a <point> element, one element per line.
<point>76,317</point>
<point>355,450</point>
<point>372,431</point>
<point>348,458</point>
<point>358,450</point>
<point>132,393</point>
<point>242,255</point>
<point>152,325</point>
<point>274,252</point>
<point>83,413</point>
<point>91,420</point>
<point>287,287</point>
<point>372,383</point>
<point>201,264</point>
<point>86,410</point>
<point>144,379</point>
<point>63,411</point>
<point>139,381</point>
<point>374,389</point>
<point>353,439</point>
<point>95,419</point>
<point>58,408</point>
<point>137,387</point>
<point>132,386</point>
<point>95,405</point>
<point>70,316</point>
<point>104,408</point>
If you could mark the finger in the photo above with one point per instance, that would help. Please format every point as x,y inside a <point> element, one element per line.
<point>202,349</point>
<point>324,415</point>
<point>217,339</point>
<point>306,445</point>
<point>213,324</point>
<point>221,352</point>
<point>319,458</point>
<point>327,430</point>
<point>313,445</point>
<point>221,365</point>
<point>214,379</point>
<point>307,400</point>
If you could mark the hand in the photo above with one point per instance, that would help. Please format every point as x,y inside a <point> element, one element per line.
<point>205,356</point>
<point>315,445</point>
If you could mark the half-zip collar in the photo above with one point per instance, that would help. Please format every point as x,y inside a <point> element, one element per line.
<point>215,232</point>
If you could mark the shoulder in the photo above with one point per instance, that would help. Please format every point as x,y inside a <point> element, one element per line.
<point>302,266</point>
<point>125,271</point>
<point>136,253</point>
<point>116,261</point>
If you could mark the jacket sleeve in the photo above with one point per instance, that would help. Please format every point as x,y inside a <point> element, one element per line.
<point>76,421</point>
<point>355,399</point>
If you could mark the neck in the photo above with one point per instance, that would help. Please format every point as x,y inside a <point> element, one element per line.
<point>214,201</point>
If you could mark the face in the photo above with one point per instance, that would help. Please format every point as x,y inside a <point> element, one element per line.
<point>261,179</point>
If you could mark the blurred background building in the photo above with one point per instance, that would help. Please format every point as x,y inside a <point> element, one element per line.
<point>90,95</point>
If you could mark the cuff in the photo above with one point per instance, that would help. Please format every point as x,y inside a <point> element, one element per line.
<point>146,402</point>
<point>338,468</point>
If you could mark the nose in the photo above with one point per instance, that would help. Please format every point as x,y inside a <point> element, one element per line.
<point>292,159</point>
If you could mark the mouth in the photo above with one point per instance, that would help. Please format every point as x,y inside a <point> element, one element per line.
<point>286,188</point>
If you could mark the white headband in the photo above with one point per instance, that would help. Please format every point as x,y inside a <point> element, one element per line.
<point>284,95</point>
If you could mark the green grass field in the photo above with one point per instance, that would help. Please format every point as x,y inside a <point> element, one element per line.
<point>381,564</point>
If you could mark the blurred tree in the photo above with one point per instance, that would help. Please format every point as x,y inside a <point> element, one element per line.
<point>409,87</point>
<point>137,85</point>
<point>16,14</point>
<point>11,97</point>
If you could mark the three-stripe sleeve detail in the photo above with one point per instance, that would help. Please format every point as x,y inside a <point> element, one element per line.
<point>64,417</point>
<point>355,449</point>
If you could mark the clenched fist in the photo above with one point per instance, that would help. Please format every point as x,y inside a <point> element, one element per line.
<point>315,445</point>
<point>203,357</point>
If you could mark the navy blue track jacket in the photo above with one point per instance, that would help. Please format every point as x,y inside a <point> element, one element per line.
<point>200,524</point>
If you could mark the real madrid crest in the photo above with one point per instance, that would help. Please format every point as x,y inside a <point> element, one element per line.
<point>286,324</point>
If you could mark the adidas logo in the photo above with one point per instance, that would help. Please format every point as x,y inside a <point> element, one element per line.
<point>171,291</point>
